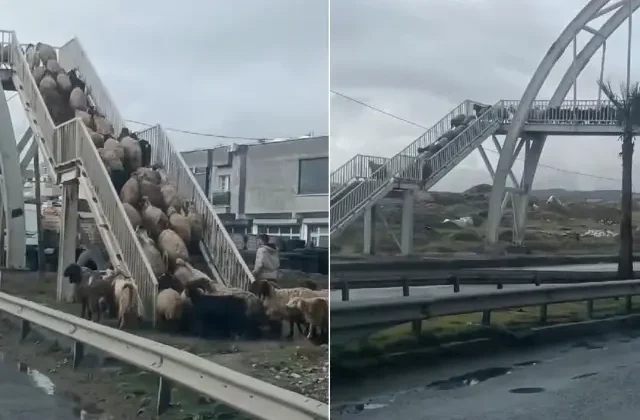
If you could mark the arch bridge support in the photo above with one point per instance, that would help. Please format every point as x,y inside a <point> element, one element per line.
<point>11,192</point>
<point>520,196</point>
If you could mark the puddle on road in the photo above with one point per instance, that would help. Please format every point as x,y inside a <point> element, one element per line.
<point>527,363</point>
<point>587,345</point>
<point>80,410</point>
<point>584,375</point>
<point>359,407</point>
<point>469,379</point>
<point>527,390</point>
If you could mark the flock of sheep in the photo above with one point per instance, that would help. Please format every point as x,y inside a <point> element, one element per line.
<point>168,228</point>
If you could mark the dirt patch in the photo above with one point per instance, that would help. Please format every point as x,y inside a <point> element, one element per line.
<point>297,365</point>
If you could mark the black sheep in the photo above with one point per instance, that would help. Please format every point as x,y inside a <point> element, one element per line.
<point>75,80</point>
<point>216,315</point>
<point>119,177</point>
<point>124,133</point>
<point>169,281</point>
<point>145,148</point>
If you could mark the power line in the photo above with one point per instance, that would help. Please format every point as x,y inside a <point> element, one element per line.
<point>197,133</point>
<point>486,149</point>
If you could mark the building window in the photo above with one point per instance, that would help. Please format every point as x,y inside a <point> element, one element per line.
<point>199,170</point>
<point>224,182</point>
<point>319,235</point>
<point>282,231</point>
<point>313,176</point>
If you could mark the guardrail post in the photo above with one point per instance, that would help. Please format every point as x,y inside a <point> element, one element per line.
<point>543,314</point>
<point>499,286</point>
<point>416,327</point>
<point>345,291</point>
<point>486,318</point>
<point>456,283</point>
<point>25,329</point>
<point>536,279</point>
<point>405,287</point>
<point>590,309</point>
<point>628,304</point>
<point>164,395</point>
<point>78,354</point>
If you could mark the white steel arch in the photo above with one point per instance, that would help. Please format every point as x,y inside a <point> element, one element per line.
<point>594,9</point>
<point>11,190</point>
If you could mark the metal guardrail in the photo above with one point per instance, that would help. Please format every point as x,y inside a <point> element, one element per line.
<point>242,392</point>
<point>357,319</point>
<point>493,278</point>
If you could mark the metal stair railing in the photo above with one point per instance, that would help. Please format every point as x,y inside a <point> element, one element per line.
<point>458,148</point>
<point>70,143</point>
<point>385,176</point>
<point>354,168</point>
<point>217,247</point>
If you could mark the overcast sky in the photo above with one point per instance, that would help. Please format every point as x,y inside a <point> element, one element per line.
<point>419,59</point>
<point>255,68</point>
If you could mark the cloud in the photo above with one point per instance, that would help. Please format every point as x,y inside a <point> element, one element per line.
<point>420,59</point>
<point>254,68</point>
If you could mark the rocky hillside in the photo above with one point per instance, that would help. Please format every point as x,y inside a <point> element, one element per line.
<point>583,221</point>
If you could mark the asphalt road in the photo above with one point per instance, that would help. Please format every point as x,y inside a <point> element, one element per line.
<point>363,294</point>
<point>28,395</point>
<point>587,379</point>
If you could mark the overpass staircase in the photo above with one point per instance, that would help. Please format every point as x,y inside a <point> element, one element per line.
<point>446,148</point>
<point>72,157</point>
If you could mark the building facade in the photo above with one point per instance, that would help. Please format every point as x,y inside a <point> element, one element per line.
<point>279,188</point>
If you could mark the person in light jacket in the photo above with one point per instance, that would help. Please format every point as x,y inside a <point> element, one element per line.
<point>267,263</point>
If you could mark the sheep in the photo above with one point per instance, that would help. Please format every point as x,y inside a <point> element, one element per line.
<point>153,219</point>
<point>150,174</point>
<point>38,74</point>
<point>53,66</point>
<point>151,191</point>
<point>103,126</point>
<point>86,119</point>
<point>170,307</point>
<point>156,261</point>
<point>295,318</point>
<point>130,192</point>
<point>97,139</point>
<point>169,281</point>
<point>180,224</point>
<point>114,145</point>
<point>275,300</point>
<point>127,297</point>
<point>170,196</point>
<point>90,289</point>
<point>172,247</point>
<point>78,100</point>
<point>315,311</point>
<point>32,57</point>
<point>46,52</point>
<point>145,149</point>
<point>197,222</point>
<point>76,82</point>
<point>187,274</point>
<point>224,314</point>
<point>132,214</point>
<point>132,152</point>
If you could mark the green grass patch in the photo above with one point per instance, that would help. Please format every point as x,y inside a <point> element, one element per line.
<point>464,327</point>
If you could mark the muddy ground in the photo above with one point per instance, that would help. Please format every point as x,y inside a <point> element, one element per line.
<point>104,385</point>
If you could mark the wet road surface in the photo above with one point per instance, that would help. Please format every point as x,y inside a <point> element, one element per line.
<point>28,395</point>
<point>586,379</point>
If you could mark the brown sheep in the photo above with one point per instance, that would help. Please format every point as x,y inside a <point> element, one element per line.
<point>315,311</point>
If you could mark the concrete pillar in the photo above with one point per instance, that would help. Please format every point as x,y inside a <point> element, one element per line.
<point>370,230</point>
<point>406,240</point>
<point>68,238</point>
